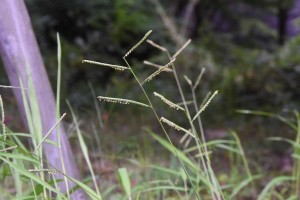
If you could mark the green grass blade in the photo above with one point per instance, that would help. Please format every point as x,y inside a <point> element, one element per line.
<point>268,114</point>
<point>19,156</point>
<point>229,148</point>
<point>58,129</point>
<point>276,181</point>
<point>58,86</point>
<point>30,175</point>
<point>171,148</point>
<point>98,110</point>
<point>243,184</point>
<point>125,180</point>
<point>28,114</point>
<point>108,191</point>
<point>84,149</point>
<point>86,188</point>
<point>165,170</point>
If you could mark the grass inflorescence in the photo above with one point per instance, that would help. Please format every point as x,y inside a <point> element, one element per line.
<point>189,174</point>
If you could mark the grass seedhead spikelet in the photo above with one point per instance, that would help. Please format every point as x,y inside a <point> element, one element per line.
<point>170,103</point>
<point>205,105</point>
<point>116,67</point>
<point>157,72</point>
<point>138,44</point>
<point>121,101</point>
<point>49,171</point>
<point>175,126</point>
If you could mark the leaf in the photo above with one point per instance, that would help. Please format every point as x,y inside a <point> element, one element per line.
<point>125,180</point>
<point>243,184</point>
<point>84,150</point>
<point>276,181</point>
<point>35,178</point>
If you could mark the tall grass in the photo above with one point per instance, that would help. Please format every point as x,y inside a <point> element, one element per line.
<point>23,164</point>
<point>190,173</point>
<point>293,180</point>
<point>199,167</point>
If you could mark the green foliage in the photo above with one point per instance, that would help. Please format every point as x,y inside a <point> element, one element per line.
<point>245,57</point>
<point>125,180</point>
<point>247,65</point>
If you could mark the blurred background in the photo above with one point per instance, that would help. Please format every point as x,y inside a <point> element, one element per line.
<point>249,48</point>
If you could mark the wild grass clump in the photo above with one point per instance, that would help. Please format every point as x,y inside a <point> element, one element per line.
<point>189,174</point>
<point>197,170</point>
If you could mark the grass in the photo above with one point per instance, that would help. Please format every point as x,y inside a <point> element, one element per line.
<point>190,171</point>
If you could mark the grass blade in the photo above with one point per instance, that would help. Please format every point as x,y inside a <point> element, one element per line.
<point>125,180</point>
<point>84,150</point>
<point>276,181</point>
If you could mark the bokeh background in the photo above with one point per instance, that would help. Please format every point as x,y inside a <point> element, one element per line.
<point>250,49</point>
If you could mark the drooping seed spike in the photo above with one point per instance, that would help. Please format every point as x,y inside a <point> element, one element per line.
<point>121,101</point>
<point>205,105</point>
<point>168,102</point>
<point>175,126</point>
<point>116,67</point>
<point>157,72</point>
<point>49,171</point>
<point>138,44</point>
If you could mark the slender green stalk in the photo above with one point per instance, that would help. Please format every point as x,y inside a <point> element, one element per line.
<point>245,162</point>
<point>84,150</point>
<point>203,140</point>
<point>162,126</point>
<point>50,131</point>
<point>205,164</point>
<point>98,111</point>
<point>58,112</point>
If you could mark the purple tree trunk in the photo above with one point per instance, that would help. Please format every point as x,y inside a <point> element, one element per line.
<point>293,27</point>
<point>19,48</point>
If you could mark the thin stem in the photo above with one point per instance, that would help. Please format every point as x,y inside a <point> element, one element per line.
<point>162,126</point>
<point>211,174</point>
<point>198,142</point>
<point>203,141</point>
<point>206,165</point>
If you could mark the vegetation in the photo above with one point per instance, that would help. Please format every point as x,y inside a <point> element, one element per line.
<point>191,174</point>
<point>211,117</point>
<point>239,56</point>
